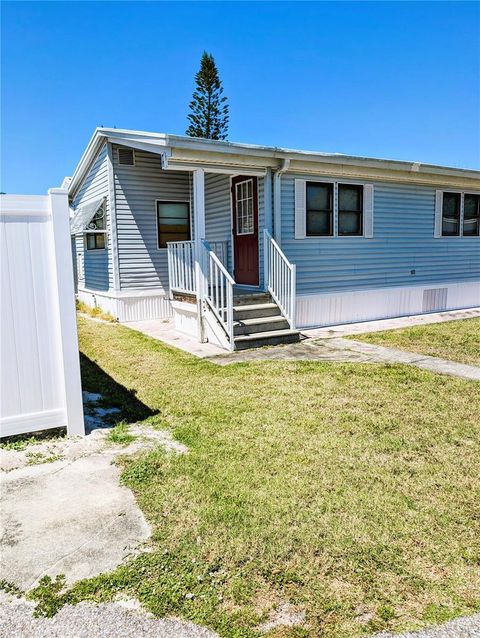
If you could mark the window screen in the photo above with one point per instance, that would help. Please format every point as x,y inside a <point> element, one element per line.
<point>173,219</point>
<point>319,209</point>
<point>350,209</point>
<point>451,214</point>
<point>471,215</point>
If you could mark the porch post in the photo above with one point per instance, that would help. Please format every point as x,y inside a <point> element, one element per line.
<point>199,234</point>
<point>268,223</point>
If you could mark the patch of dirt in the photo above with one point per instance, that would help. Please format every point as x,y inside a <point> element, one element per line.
<point>63,448</point>
<point>283,615</point>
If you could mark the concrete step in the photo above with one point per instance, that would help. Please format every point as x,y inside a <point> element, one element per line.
<point>259,325</point>
<point>253,311</point>
<point>251,298</point>
<point>272,338</point>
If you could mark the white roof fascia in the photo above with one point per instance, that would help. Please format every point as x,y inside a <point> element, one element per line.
<point>161,143</point>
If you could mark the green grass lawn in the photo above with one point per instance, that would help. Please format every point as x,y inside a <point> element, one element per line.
<point>456,340</point>
<point>350,491</point>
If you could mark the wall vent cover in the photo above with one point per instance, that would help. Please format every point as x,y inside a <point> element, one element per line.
<point>126,157</point>
<point>435,299</point>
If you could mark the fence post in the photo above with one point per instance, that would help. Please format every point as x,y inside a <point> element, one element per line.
<point>66,308</point>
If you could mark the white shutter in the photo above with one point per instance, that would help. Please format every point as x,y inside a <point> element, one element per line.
<point>368,210</point>
<point>438,213</point>
<point>300,209</point>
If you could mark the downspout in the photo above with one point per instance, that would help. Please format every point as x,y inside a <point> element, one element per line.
<point>277,201</point>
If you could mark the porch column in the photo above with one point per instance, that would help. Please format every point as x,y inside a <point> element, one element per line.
<point>199,234</point>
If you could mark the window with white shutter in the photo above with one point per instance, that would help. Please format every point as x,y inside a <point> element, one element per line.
<point>457,214</point>
<point>328,209</point>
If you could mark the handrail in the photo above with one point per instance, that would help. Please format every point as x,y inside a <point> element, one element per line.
<point>181,267</point>
<point>218,290</point>
<point>280,278</point>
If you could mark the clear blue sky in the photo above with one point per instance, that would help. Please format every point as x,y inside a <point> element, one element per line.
<point>396,80</point>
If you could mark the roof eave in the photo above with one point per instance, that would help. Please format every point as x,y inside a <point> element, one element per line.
<point>266,156</point>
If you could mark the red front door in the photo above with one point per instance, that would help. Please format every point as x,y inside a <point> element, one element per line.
<point>245,229</point>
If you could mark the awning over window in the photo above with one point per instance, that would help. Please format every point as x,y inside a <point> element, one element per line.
<point>84,215</point>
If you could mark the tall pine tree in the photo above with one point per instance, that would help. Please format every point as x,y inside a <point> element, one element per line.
<point>208,109</point>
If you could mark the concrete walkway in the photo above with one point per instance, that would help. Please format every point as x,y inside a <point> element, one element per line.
<point>163,330</point>
<point>349,351</point>
<point>390,324</point>
<point>326,344</point>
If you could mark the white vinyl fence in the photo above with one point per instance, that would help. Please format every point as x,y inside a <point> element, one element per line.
<point>40,384</point>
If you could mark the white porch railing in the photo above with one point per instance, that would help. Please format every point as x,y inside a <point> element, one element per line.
<point>280,278</point>
<point>218,292</point>
<point>181,266</point>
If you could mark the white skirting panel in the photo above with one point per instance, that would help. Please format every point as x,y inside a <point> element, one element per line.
<point>364,305</point>
<point>185,318</point>
<point>129,307</point>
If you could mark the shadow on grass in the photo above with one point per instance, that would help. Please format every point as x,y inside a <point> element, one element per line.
<point>114,395</point>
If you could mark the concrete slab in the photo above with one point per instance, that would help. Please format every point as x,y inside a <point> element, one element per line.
<point>342,350</point>
<point>163,330</point>
<point>67,518</point>
<point>395,323</point>
<point>71,515</point>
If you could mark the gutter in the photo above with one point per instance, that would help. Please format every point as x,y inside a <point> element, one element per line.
<point>277,200</point>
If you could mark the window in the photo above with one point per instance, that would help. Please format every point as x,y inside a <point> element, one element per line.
<point>319,209</point>
<point>96,240</point>
<point>173,222</point>
<point>244,210</point>
<point>471,215</point>
<point>350,209</point>
<point>451,214</point>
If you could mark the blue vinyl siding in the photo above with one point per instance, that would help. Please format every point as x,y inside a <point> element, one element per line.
<point>97,263</point>
<point>218,212</point>
<point>403,240</point>
<point>142,264</point>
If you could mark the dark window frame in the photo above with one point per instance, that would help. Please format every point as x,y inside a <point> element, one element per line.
<point>330,211</point>
<point>158,202</point>
<point>359,212</point>
<point>100,216</point>
<point>475,196</point>
<point>96,237</point>
<point>458,216</point>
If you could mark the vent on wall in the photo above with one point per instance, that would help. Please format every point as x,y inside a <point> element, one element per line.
<point>435,299</point>
<point>126,157</point>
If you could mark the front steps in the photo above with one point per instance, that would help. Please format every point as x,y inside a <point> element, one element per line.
<point>257,321</point>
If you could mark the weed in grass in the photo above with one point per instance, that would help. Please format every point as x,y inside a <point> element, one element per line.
<point>21,442</point>
<point>96,312</point>
<point>120,435</point>
<point>10,588</point>
<point>37,458</point>
<point>48,596</point>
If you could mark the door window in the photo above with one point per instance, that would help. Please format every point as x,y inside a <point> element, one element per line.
<point>244,212</point>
